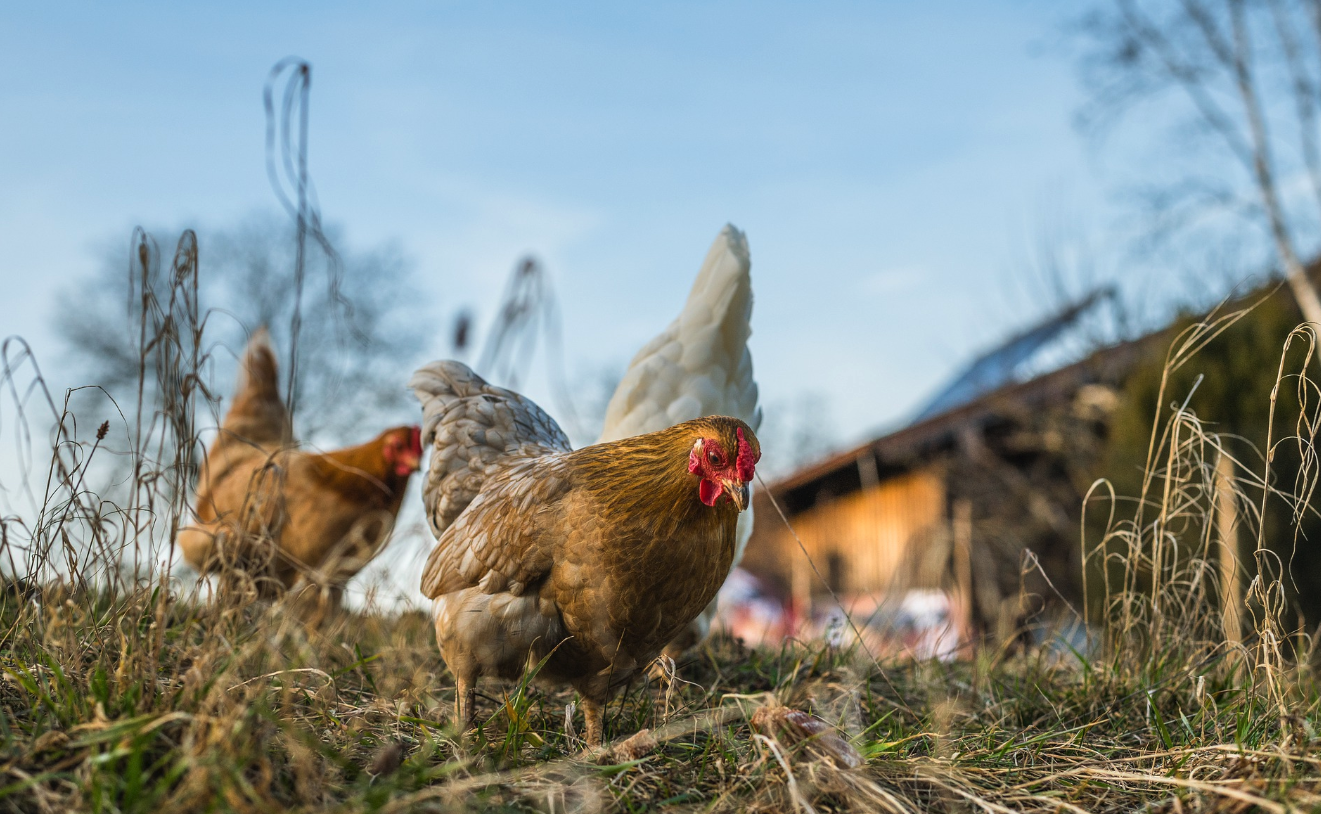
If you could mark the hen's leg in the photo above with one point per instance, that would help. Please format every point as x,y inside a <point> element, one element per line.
<point>594,715</point>
<point>465,694</point>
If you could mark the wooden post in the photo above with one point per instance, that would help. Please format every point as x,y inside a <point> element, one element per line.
<point>800,589</point>
<point>963,558</point>
<point>1227,535</point>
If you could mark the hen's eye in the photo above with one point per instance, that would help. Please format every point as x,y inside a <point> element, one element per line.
<point>713,458</point>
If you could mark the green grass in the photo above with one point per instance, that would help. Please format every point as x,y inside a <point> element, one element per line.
<point>132,706</point>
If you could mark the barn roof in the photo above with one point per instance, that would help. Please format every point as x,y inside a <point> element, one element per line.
<point>1009,362</point>
<point>902,449</point>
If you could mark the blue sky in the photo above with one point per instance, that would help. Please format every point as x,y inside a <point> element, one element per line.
<point>891,163</point>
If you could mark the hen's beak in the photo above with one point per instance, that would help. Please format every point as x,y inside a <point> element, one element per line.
<point>738,492</point>
<point>408,462</point>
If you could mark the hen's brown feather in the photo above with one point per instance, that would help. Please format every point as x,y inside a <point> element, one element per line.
<point>499,542</point>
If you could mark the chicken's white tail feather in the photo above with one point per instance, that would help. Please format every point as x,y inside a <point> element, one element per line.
<point>700,365</point>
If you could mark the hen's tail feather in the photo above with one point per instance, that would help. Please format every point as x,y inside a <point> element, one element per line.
<point>257,413</point>
<point>700,365</point>
<point>468,424</point>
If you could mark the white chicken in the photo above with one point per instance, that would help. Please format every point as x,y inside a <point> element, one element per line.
<point>699,366</point>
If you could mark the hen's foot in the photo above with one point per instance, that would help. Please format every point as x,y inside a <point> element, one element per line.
<point>594,717</point>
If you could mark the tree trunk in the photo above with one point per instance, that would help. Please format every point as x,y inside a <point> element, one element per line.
<point>1303,290</point>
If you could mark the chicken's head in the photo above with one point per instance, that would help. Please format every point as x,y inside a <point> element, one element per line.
<point>402,450</point>
<point>725,463</point>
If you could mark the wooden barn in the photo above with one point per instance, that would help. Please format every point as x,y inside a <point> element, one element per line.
<point>978,498</point>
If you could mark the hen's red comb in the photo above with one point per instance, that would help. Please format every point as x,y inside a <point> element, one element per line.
<point>746,460</point>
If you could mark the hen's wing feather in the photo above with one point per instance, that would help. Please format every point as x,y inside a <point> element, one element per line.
<point>700,365</point>
<point>257,414</point>
<point>497,543</point>
<point>470,425</point>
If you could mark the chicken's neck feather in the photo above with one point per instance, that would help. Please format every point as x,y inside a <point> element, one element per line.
<point>644,480</point>
<point>362,472</point>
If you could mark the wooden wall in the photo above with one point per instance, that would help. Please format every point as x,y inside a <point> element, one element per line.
<point>862,541</point>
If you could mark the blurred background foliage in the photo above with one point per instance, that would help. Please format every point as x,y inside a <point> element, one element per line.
<point>1226,386</point>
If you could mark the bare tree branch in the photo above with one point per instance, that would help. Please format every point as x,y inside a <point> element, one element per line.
<point>1304,95</point>
<point>1236,80</point>
<point>1190,78</point>
<point>362,338</point>
<point>1263,167</point>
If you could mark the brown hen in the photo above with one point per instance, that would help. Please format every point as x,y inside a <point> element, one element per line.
<point>591,560</point>
<point>286,516</point>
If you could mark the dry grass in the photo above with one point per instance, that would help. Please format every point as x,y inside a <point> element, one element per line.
<point>141,705</point>
<point>119,693</point>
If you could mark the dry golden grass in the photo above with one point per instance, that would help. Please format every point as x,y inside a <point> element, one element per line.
<point>146,703</point>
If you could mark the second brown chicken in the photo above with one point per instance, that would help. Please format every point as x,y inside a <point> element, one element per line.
<point>285,516</point>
